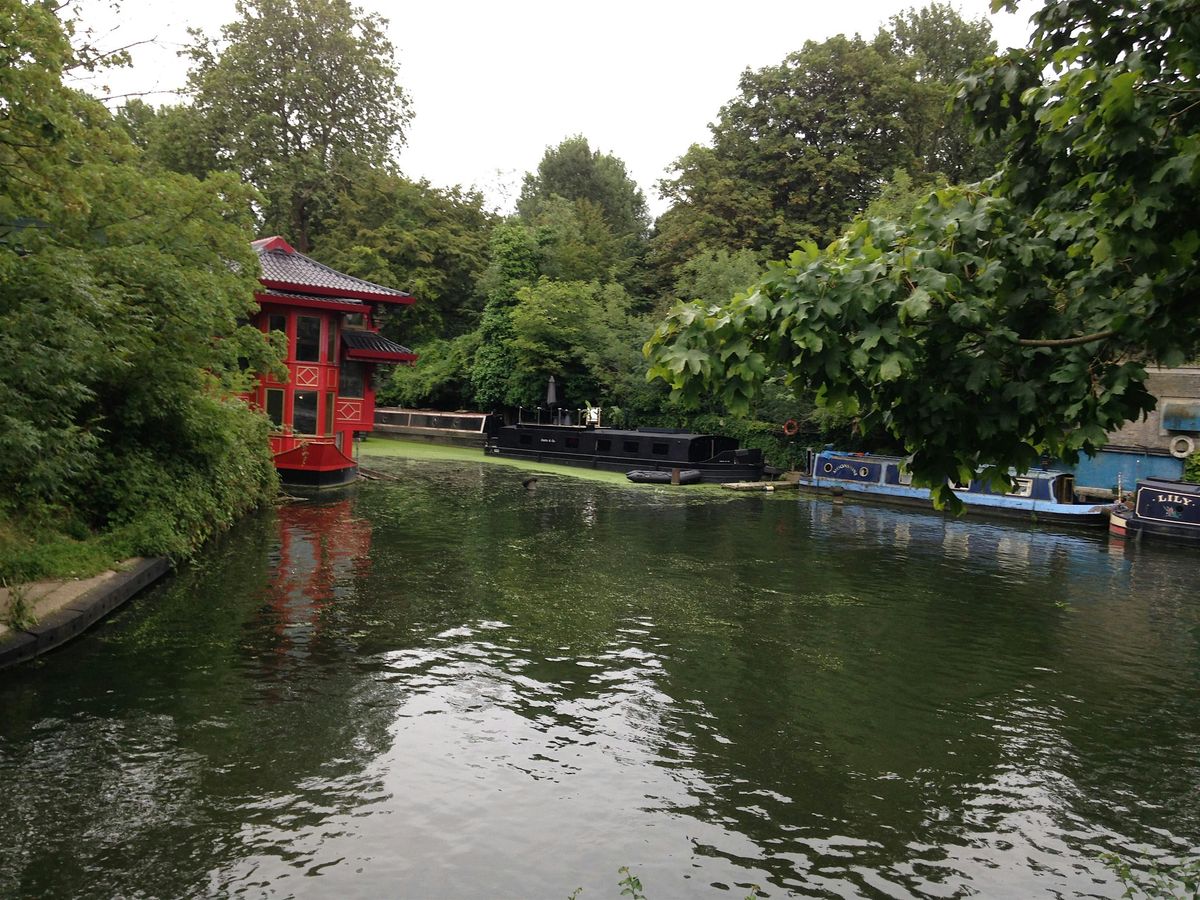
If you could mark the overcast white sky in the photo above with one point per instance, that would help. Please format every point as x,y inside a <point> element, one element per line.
<point>493,84</point>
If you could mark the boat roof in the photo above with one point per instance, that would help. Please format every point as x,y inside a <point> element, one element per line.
<point>659,433</point>
<point>1178,487</point>
<point>873,457</point>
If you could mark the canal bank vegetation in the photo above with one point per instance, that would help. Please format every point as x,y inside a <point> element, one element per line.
<point>935,308</point>
<point>123,295</point>
<point>127,276</point>
<point>1012,318</point>
<point>574,280</point>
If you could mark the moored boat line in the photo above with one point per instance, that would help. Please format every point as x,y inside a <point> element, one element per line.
<point>1044,495</point>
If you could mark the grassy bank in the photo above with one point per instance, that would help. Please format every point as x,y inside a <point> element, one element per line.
<point>377,447</point>
<point>30,551</point>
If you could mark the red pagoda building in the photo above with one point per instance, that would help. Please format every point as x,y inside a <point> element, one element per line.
<point>333,346</point>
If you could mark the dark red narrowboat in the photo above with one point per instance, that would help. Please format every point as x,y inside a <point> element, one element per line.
<point>331,321</point>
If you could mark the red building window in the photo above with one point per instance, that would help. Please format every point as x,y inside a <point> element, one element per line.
<point>275,407</point>
<point>308,340</point>
<point>352,376</point>
<point>304,412</point>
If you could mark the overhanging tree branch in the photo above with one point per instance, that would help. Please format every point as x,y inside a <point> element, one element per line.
<point>1067,342</point>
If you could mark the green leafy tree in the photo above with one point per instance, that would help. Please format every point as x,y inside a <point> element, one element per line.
<point>123,300</point>
<point>899,196</point>
<point>1013,319</point>
<point>941,44</point>
<point>807,144</point>
<point>577,244</point>
<point>583,334</point>
<point>441,379</point>
<point>175,138</point>
<point>574,171</point>
<point>429,241</point>
<point>589,216</point>
<point>716,275</point>
<point>297,95</point>
<point>800,150</point>
<point>514,264</point>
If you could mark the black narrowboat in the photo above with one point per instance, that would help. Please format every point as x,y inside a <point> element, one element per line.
<point>718,459</point>
<point>1160,509</point>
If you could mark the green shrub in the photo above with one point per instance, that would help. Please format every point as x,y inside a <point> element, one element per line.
<point>1191,468</point>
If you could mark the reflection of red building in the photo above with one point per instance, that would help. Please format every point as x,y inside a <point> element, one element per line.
<point>322,547</point>
<point>334,344</point>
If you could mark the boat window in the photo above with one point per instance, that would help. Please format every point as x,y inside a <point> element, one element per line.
<point>659,449</point>
<point>572,442</point>
<point>631,447</point>
<point>828,467</point>
<point>1022,487</point>
<point>603,445</point>
<point>329,403</point>
<point>277,322</point>
<point>526,439</point>
<point>1065,489</point>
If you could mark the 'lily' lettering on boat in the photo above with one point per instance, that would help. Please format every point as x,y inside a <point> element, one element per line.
<point>1174,498</point>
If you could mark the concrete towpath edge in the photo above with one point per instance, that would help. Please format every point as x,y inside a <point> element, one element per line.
<point>81,612</point>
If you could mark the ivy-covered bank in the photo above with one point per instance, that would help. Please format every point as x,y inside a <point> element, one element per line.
<point>123,293</point>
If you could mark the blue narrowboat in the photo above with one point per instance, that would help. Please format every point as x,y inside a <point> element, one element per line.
<point>1043,495</point>
<point>1162,509</point>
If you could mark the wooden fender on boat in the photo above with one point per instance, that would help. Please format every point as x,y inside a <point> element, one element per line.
<point>1182,446</point>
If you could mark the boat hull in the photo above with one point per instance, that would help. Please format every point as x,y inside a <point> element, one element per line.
<point>319,464</point>
<point>1161,510</point>
<point>1037,496</point>
<point>1084,516</point>
<point>642,476</point>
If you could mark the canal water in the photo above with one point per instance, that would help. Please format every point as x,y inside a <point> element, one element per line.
<point>452,686</point>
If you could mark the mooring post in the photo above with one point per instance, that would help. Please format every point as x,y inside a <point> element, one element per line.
<point>675,475</point>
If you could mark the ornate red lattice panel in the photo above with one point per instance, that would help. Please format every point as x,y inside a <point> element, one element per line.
<point>308,377</point>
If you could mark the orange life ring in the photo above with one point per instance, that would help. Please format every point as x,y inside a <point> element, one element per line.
<point>790,427</point>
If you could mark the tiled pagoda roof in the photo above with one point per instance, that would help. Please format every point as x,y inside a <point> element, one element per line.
<point>371,346</point>
<point>285,269</point>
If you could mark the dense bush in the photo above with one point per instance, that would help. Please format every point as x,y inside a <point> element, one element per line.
<point>124,296</point>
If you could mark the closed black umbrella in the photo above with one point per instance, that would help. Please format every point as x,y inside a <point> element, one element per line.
<point>552,393</point>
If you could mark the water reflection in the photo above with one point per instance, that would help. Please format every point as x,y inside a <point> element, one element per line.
<point>451,686</point>
<point>323,550</point>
